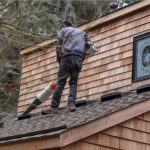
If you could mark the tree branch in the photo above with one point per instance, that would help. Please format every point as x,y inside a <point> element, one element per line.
<point>1,9</point>
<point>20,31</point>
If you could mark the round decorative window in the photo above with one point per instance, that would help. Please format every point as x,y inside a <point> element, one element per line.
<point>146,56</point>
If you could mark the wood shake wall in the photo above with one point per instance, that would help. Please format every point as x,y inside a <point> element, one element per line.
<point>133,134</point>
<point>110,69</point>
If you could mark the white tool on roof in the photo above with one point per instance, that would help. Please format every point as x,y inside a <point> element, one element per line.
<point>41,97</point>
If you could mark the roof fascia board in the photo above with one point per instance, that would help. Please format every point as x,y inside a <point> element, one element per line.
<point>32,144</point>
<point>35,133</point>
<point>101,124</point>
<point>116,14</point>
<point>41,45</point>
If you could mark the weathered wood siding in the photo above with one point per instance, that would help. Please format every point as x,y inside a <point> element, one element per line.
<point>133,134</point>
<point>110,69</point>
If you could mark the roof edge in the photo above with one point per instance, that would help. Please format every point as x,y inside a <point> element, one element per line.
<point>17,137</point>
<point>34,144</point>
<point>88,26</point>
<point>77,133</point>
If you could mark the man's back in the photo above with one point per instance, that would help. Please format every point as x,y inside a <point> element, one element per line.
<point>73,40</point>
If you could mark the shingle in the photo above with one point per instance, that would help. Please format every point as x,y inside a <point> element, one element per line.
<point>92,111</point>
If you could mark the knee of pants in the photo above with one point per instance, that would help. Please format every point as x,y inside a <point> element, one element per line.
<point>73,82</point>
<point>61,82</point>
<point>74,78</point>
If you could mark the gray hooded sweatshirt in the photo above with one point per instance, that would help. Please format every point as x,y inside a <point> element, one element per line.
<point>73,41</point>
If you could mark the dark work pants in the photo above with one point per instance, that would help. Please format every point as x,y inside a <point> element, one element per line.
<point>70,66</point>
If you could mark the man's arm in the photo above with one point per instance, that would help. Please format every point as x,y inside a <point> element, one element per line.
<point>60,43</point>
<point>90,49</point>
<point>59,49</point>
<point>86,38</point>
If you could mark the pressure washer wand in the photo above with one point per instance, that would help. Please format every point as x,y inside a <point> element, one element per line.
<point>41,97</point>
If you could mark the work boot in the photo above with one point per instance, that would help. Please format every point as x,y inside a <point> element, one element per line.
<point>72,107</point>
<point>51,110</point>
<point>54,110</point>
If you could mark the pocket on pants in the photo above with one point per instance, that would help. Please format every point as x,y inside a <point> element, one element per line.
<point>79,64</point>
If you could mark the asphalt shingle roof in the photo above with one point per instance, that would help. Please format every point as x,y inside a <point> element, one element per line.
<point>42,125</point>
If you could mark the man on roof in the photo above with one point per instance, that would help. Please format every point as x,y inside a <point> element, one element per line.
<point>70,55</point>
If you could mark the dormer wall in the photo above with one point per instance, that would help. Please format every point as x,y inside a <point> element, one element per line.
<point>109,70</point>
